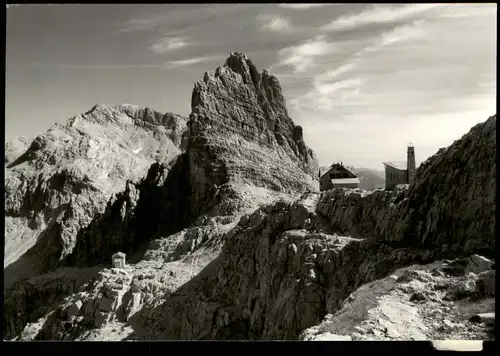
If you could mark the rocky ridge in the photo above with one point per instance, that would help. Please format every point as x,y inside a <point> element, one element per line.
<point>66,176</point>
<point>291,252</point>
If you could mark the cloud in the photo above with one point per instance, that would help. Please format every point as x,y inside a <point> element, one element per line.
<point>303,6</point>
<point>275,23</point>
<point>191,61</point>
<point>403,80</point>
<point>342,69</point>
<point>378,14</point>
<point>329,89</point>
<point>326,94</point>
<point>302,57</point>
<point>169,45</point>
<point>399,34</point>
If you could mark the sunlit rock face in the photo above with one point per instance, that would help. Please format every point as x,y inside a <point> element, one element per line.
<point>56,185</point>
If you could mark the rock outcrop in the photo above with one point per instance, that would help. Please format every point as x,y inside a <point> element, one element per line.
<point>241,144</point>
<point>67,175</point>
<point>15,148</point>
<point>240,131</point>
<point>267,265</point>
<point>418,302</point>
<point>451,205</point>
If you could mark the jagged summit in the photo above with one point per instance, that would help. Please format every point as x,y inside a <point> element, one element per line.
<point>127,114</point>
<point>238,104</point>
<point>240,68</point>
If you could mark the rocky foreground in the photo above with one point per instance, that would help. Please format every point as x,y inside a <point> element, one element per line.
<point>227,237</point>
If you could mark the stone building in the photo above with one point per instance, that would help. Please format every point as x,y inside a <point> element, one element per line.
<point>337,176</point>
<point>118,260</point>
<point>401,172</point>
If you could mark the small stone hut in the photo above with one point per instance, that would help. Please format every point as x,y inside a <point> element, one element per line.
<point>119,260</point>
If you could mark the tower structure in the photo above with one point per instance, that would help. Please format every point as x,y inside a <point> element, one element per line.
<point>410,161</point>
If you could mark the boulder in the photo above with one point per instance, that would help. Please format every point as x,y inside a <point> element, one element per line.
<point>485,284</point>
<point>488,318</point>
<point>478,264</point>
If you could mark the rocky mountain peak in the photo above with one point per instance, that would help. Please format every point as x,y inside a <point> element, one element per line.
<point>247,107</point>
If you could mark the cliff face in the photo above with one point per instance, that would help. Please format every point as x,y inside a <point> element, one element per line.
<point>453,201</point>
<point>241,144</point>
<point>240,133</point>
<point>66,176</point>
<point>278,274</point>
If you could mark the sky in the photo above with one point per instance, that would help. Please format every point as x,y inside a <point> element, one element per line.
<point>363,80</point>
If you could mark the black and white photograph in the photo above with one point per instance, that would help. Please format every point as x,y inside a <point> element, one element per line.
<point>251,172</point>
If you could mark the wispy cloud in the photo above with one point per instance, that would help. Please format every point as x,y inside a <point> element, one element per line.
<point>191,61</point>
<point>274,23</point>
<point>405,76</point>
<point>379,14</point>
<point>326,94</point>
<point>328,87</point>
<point>303,6</point>
<point>169,45</point>
<point>302,57</point>
<point>398,34</point>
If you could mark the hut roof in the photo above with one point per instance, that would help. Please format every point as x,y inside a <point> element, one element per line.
<point>399,165</point>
